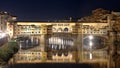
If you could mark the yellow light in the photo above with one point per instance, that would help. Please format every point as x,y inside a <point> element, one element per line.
<point>90,37</point>
<point>90,44</point>
<point>2,35</point>
<point>90,55</point>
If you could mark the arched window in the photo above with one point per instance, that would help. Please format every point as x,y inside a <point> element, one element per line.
<point>59,29</point>
<point>65,29</point>
<point>60,53</point>
<point>65,53</point>
<point>54,29</point>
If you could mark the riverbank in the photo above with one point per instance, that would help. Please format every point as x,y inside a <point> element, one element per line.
<point>4,66</point>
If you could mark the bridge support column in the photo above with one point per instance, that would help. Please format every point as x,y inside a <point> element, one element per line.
<point>76,49</point>
<point>79,47</point>
<point>112,50</point>
<point>42,42</point>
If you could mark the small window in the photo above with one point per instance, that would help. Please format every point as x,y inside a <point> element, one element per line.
<point>60,30</point>
<point>66,30</point>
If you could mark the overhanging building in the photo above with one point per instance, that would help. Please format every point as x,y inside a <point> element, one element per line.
<point>63,41</point>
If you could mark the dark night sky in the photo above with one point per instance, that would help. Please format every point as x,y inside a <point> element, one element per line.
<point>43,10</point>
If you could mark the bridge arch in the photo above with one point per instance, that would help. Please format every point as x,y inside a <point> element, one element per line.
<point>95,41</point>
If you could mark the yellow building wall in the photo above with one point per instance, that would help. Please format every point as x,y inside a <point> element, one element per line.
<point>10,29</point>
<point>73,27</point>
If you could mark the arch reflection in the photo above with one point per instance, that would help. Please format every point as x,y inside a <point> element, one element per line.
<point>98,42</point>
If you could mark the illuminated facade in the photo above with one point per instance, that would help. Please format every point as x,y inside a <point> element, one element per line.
<point>5,18</point>
<point>64,41</point>
<point>31,56</point>
<point>37,28</point>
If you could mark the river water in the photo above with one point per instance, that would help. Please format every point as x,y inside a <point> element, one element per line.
<point>50,65</point>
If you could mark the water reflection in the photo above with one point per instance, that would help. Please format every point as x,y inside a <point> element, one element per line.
<point>51,65</point>
<point>58,43</point>
<point>28,42</point>
<point>97,43</point>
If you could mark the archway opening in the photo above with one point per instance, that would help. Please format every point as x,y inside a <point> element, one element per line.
<point>66,29</point>
<point>60,30</point>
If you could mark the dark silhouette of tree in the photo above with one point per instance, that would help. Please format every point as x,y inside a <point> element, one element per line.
<point>8,51</point>
<point>96,15</point>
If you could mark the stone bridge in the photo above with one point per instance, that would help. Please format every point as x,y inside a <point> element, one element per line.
<point>60,47</point>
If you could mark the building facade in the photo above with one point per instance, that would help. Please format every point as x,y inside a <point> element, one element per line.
<point>63,41</point>
<point>5,18</point>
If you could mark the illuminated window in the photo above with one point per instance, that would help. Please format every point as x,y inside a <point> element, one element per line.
<point>60,30</point>
<point>54,29</point>
<point>66,30</point>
